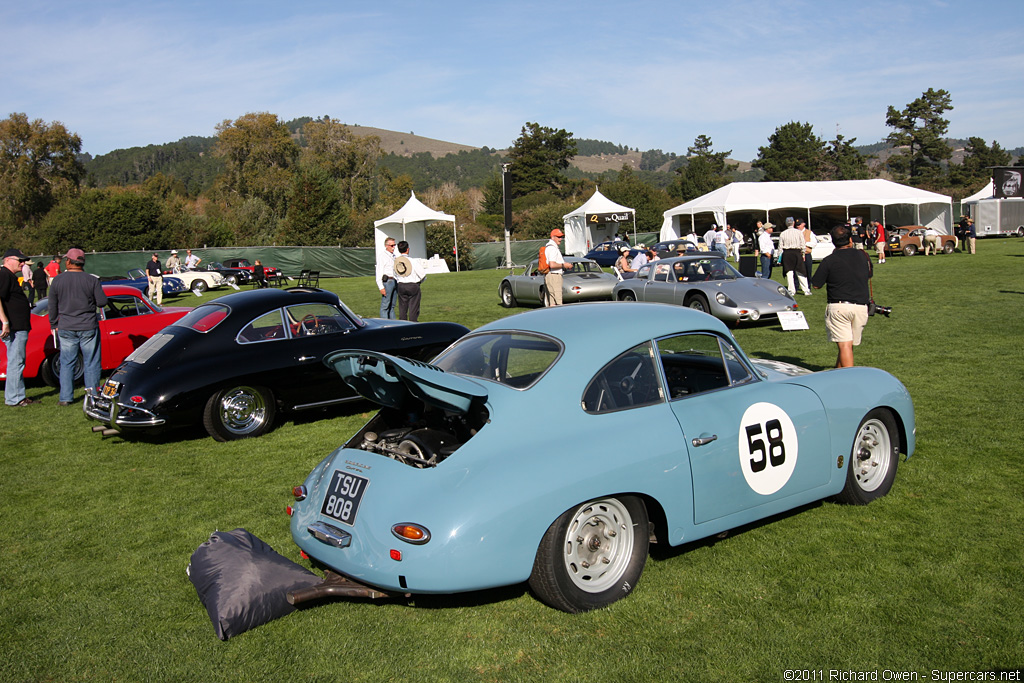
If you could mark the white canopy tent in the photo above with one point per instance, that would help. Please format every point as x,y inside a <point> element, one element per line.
<point>885,200</point>
<point>598,220</point>
<point>410,224</point>
<point>986,192</point>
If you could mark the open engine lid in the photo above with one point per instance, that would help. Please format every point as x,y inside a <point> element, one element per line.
<point>390,380</point>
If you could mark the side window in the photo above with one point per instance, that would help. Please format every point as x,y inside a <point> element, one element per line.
<point>309,320</point>
<point>267,327</point>
<point>123,307</point>
<point>661,272</point>
<point>692,364</point>
<point>644,271</point>
<point>628,381</point>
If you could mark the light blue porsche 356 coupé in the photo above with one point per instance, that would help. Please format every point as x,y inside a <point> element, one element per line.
<point>515,455</point>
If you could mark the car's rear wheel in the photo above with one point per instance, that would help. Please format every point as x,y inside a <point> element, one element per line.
<point>199,286</point>
<point>50,370</point>
<point>910,250</point>
<point>238,413</point>
<point>627,296</point>
<point>948,248</point>
<point>698,302</point>
<point>508,299</point>
<point>873,459</point>
<point>592,555</point>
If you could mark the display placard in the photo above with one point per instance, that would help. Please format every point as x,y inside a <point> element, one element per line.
<point>793,320</point>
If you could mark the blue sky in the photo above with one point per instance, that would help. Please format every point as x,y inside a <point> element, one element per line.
<point>647,74</point>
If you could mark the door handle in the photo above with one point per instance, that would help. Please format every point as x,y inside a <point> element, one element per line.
<point>702,440</point>
<point>114,332</point>
<point>303,359</point>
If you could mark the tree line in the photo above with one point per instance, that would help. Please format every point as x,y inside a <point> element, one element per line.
<point>264,181</point>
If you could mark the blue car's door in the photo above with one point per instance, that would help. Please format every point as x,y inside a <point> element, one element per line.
<point>750,442</point>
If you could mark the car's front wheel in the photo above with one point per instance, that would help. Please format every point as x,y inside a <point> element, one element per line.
<point>627,296</point>
<point>592,555</point>
<point>232,279</point>
<point>508,299</point>
<point>199,286</point>
<point>698,302</point>
<point>238,413</point>
<point>910,250</point>
<point>948,248</point>
<point>873,459</point>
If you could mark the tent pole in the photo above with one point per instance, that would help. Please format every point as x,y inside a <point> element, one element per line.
<point>455,235</point>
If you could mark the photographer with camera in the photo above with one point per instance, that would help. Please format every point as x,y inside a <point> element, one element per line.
<point>847,273</point>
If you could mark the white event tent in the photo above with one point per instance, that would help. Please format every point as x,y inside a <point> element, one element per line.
<point>876,199</point>
<point>596,221</point>
<point>410,224</point>
<point>987,192</point>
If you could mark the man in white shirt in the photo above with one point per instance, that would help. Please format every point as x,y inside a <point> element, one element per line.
<point>409,272</point>
<point>385,278</point>
<point>931,241</point>
<point>792,244</point>
<point>556,265</point>
<point>765,249</point>
<point>709,237</point>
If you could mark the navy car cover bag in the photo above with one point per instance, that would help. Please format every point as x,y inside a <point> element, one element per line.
<point>242,582</point>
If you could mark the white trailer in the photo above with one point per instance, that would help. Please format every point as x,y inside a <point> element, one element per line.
<point>998,217</point>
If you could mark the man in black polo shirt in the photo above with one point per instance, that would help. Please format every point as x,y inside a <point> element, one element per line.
<point>16,323</point>
<point>847,273</point>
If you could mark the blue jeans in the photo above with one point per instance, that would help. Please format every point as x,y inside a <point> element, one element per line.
<point>71,342</point>
<point>14,388</point>
<point>766,266</point>
<point>387,302</point>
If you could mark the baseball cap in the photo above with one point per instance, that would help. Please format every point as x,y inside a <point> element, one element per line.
<point>557,233</point>
<point>76,255</point>
<point>15,253</point>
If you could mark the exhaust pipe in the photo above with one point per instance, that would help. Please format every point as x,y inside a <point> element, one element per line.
<point>98,428</point>
<point>337,586</point>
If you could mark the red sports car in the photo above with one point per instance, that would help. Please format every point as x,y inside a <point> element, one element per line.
<point>128,319</point>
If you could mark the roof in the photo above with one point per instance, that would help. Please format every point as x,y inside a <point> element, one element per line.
<point>414,211</point>
<point>807,194</point>
<point>598,203</point>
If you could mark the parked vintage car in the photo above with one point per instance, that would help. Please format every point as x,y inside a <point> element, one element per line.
<point>246,264</point>
<point>823,248</point>
<point>706,282</point>
<point>515,456</point>
<point>200,281</point>
<point>137,278</point>
<point>233,364</point>
<point>233,276</point>
<point>606,253</point>
<point>128,320</point>
<point>584,282</point>
<point>909,240</point>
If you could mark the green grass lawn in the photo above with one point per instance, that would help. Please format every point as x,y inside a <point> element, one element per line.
<point>96,533</point>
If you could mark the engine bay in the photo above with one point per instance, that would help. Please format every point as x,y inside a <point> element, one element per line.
<point>420,438</point>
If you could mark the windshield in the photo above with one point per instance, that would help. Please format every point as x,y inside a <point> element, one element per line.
<point>699,270</point>
<point>516,359</point>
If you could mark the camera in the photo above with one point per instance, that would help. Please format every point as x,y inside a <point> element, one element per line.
<point>874,308</point>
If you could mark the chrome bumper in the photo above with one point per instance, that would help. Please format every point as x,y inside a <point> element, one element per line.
<point>114,413</point>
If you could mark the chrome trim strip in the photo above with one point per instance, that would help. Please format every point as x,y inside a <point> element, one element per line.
<point>333,401</point>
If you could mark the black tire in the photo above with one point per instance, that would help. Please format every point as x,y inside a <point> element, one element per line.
<point>199,286</point>
<point>910,250</point>
<point>610,535</point>
<point>698,302</point>
<point>50,371</point>
<point>627,296</point>
<point>240,412</point>
<point>948,248</point>
<point>231,279</point>
<point>508,299</point>
<point>873,459</point>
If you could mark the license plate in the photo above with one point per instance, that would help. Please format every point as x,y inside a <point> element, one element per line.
<point>343,496</point>
<point>110,389</point>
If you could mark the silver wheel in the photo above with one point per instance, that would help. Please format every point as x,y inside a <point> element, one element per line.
<point>232,279</point>
<point>598,545</point>
<point>199,286</point>
<point>698,303</point>
<point>508,300</point>
<point>627,296</point>
<point>238,412</point>
<point>872,455</point>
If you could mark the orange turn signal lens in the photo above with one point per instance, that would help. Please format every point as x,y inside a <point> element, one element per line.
<point>411,533</point>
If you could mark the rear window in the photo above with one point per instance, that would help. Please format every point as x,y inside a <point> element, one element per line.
<point>204,318</point>
<point>512,358</point>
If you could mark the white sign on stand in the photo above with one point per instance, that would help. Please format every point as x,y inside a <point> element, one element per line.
<point>793,320</point>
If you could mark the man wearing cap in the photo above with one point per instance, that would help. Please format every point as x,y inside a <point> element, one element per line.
<point>156,279</point>
<point>74,297</point>
<point>556,264</point>
<point>792,244</point>
<point>16,323</point>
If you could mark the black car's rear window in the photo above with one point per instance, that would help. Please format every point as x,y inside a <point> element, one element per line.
<point>204,318</point>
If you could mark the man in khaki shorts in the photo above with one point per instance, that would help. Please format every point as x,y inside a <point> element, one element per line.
<point>847,274</point>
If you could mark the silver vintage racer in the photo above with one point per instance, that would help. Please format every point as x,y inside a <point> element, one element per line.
<point>584,281</point>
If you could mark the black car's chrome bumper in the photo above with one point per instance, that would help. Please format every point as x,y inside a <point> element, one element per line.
<point>114,413</point>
